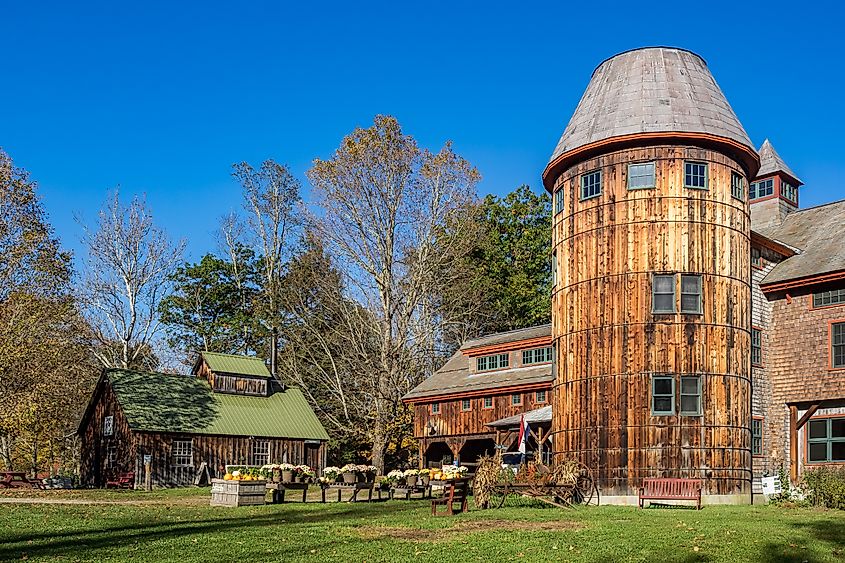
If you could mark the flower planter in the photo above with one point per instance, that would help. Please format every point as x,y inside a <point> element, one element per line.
<point>411,480</point>
<point>350,478</point>
<point>287,476</point>
<point>424,480</point>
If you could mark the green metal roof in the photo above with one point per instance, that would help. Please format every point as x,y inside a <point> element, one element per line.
<point>158,402</point>
<point>240,365</point>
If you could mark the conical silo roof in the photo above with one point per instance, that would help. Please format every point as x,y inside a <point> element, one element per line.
<point>651,93</point>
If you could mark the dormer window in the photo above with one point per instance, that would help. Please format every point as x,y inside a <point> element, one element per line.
<point>789,192</point>
<point>495,361</point>
<point>763,188</point>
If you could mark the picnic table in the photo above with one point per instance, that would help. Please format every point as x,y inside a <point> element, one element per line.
<point>14,479</point>
<point>407,491</point>
<point>280,488</point>
<point>353,488</point>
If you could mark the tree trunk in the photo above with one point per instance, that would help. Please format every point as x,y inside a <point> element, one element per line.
<point>379,437</point>
<point>6,451</point>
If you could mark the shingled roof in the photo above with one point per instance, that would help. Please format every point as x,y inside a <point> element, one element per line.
<point>509,336</point>
<point>771,163</point>
<point>158,402</point>
<point>817,233</point>
<point>651,90</point>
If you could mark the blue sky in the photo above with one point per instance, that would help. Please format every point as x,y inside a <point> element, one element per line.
<point>162,98</point>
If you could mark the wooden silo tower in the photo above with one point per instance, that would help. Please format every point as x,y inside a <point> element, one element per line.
<point>651,305</point>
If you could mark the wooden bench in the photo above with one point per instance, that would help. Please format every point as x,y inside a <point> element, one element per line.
<point>456,492</point>
<point>12,479</point>
<point>124,481</point>
<point>670,489</point>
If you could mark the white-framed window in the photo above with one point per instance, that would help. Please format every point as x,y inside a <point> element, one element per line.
<point>260,452</point>
<point>691,294</point>
<point>663,293</point>
<point>182,453</point>
<point>558,203</point>
<point>537,355</point>
<point>435,408</point>
<point>516,399</point>
<point>641,176</point>
<point>466,405</point>
<point>695,175</point>
<point>488,402</point>
<point>691,396</point>
<point>590,184</point>
<point>495,361</point>
<point>760,189</point>
<point>737,186</point>
<point>789,192</point>
<point>108,425</point>
<point>826,440</point>
<point>662,395</point>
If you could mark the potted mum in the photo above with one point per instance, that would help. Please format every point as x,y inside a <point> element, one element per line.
<point>425,477</point>
<point>287,472</point>
<point>350,473</point>
<point>307,474</point>
<point>396,477</point>
<point>331,473</point>
<point>411,476</point>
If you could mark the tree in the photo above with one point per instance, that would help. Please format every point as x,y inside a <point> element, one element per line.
<point>127,275</point>
<point>384,205</point>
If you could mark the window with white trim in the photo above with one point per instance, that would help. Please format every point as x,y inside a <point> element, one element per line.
<point>488,402</point>
<point>641,176</point>
<point>537,355</point>
<point>495,361</point>
<point>182,453</point>
<point>516,399</point>
<point>662,395</point>
<point>591,184</point>
<point>737,186</point>
<point>435,408</point>
<point>466,404</point>
<point>691,395</point>
<point>789,192</point>
<point>260,452</point>
<point>826,440</point>
<point>108,425</point>
<point>695,175</point>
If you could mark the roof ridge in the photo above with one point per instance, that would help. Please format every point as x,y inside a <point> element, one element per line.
<point>488,335</point>
<point>801,210</point>
<point>255,357</point>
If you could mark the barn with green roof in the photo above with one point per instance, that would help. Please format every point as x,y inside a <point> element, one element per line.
<point>229,411</point>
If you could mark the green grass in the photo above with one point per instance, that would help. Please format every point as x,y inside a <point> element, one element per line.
<point>179,526</point>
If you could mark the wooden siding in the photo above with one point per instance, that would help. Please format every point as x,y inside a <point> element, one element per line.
<point>241,385</point>
<point>609,343</point>
<point>94,467</point>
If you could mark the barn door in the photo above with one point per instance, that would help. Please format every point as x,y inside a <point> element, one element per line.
<point>312,456</point>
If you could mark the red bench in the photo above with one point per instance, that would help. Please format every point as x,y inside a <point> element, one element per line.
<point>124,481</point>
<point>670,489</point>
<point>456,493</point>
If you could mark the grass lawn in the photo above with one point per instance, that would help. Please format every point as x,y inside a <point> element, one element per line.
<point>178,525</point>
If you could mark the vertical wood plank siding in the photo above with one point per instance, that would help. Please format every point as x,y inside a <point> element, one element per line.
<point>609,343</point>
<point>94,468</point>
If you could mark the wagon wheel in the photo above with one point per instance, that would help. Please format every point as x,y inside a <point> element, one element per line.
<point>500,502</point>
<point>585,486</point>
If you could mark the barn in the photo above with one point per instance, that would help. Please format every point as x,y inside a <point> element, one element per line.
<point>228,411</point>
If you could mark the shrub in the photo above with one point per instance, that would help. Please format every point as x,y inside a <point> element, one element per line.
<point>825,486</point>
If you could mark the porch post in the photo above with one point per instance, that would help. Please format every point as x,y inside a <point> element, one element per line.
<point>793,443</point>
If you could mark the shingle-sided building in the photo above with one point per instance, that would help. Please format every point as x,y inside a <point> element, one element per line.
<point>229,411</point>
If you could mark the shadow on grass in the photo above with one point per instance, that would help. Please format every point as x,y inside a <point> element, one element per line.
<point>51,543</point>
<point>813,541</point>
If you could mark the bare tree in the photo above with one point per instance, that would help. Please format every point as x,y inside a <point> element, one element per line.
<point>126,277</point>
<point>391,213</point>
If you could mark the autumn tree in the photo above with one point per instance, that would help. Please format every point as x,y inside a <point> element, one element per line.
<point>383,207</point>
<point>127,275</point>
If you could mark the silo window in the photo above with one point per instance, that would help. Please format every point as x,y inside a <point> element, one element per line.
<point>691,294</point>
<point>695,175</point>
<point>737,186</point>
<point>691,396</point>
<point>641,176</point>
<point>663,293</point>
<point>591,184</point>
<point>662,395</point>
<point>558,197</point>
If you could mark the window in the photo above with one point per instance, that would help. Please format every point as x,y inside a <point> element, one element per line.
<point>260,452</point>
<point>516,399</point>
<point>691,294</point>
<point>756,347</point>
<point>111,456</point>
<point>496,361</point>
<point>789,192</point>
<point>554,268</point>
<point>435,408</point>
<point>590,184</point>
<point>760,189</point>
<point>540,396</point>
<point>756,436</point>
<point>663,293</point>
<point>832,297</point>
<point>757,258</point>
<point>641,176</point>
<point>182,453</point>
<point>662,395</point>
<point>466,404</point>
<point>537,355</point>
<point>488,402</point>
<point>826,440</point>
<point>737,186</point>
<point>108,425</point>
<point>558,197</point>
<point>691,396</point>
<point>837,345</point>
<point>695,175</point>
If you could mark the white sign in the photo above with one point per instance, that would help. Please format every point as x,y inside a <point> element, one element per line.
<point>771,486</point>
<point>147,459</point>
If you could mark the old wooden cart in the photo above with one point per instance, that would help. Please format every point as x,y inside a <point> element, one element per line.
<point>562,485</point>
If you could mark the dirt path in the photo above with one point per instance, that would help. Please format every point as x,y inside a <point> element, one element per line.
<point>194,501</point>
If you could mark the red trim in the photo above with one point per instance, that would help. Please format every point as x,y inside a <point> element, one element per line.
<point>762,437</point>
<point>538,342</point>
<point>484,400</point>
<point>480,393</point>
<point>765,198</point>
<point>747,157</point>
<point>765,242</point>
<point>803,282</point>
<point>811,305</point>
<point>760,365</point>
<point>806,429</point>
<point>830,345</point>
